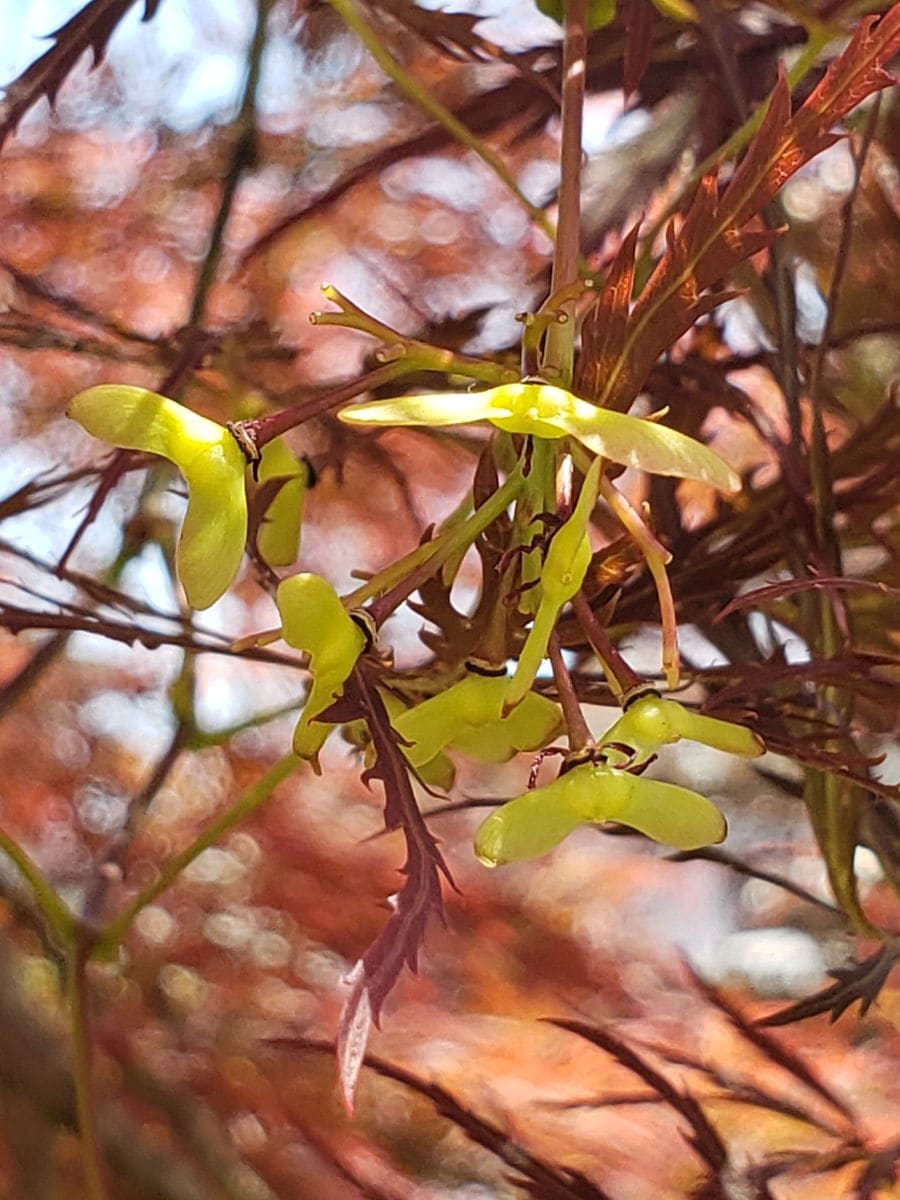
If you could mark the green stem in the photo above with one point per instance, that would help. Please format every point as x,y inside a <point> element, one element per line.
<point>559,349</point>
<point>82,1073</point>
<point>59,920</point>
<point>538,497</point>
<point>453,542</point>
<point>415,354</point>
<point>110,938</point>
<point>656,556</point>
<point>353,18</point>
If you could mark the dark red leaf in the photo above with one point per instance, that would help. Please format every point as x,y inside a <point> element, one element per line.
<point>790,587</point>
<point>705,1139</point>
<point>861,983</point>
<point>766,1043</point>
<point>90,29</point>
<point>397,946</point>
<point>717,232</point>
<point>539,1178</point>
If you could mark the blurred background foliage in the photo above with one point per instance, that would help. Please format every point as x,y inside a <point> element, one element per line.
<point>130,726</point>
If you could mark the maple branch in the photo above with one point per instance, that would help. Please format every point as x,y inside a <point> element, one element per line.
<point>559,347</point>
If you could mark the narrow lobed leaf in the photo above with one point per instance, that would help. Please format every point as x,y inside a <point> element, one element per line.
<point>705,1139</point>
<point>90,29</point>
<point>397,946</point>
<point>713,237</point>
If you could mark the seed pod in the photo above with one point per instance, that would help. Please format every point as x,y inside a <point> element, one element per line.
<point>590,794</point>
<point>468,717</point>
<point>546,411</point>
<point>314,620</point>
<point>562,574</point>
<point>211,542</point>
<point>651,722</point>
<point>278,539</point>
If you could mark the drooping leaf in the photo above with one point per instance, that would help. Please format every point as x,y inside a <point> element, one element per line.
<point>397,946</point>
<point>89,30</point>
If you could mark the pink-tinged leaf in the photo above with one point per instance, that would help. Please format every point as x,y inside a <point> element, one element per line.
<point>397,946</point>
<point>353,1035</point>
<point>90,29</point>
